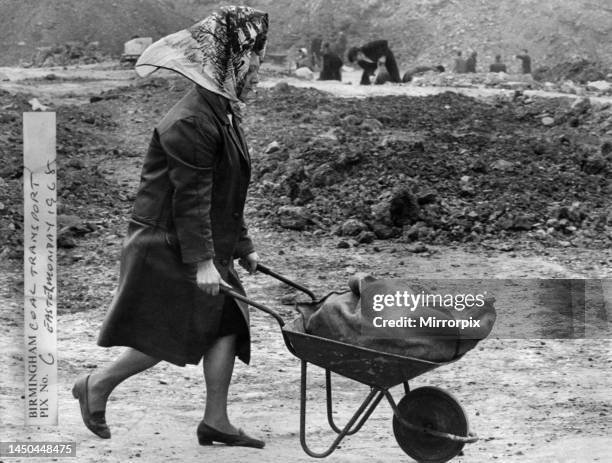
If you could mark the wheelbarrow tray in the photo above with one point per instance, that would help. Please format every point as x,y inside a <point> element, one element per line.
<point>380,370</point>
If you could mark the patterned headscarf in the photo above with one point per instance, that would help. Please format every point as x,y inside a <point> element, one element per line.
<point>214,53</point>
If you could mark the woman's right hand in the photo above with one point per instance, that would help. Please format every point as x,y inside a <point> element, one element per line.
<point>208,278</point>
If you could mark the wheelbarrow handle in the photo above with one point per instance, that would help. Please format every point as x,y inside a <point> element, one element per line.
<point>228,290</point>
<point>263,269</point>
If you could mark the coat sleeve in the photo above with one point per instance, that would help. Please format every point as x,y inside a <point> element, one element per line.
<point>245,245</point>
<point>376,49</point>
<point>191,148</point>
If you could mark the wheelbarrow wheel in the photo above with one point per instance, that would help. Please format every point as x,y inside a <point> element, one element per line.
<point>434,409</point>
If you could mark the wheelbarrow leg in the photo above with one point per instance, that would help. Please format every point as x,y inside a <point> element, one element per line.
<point>330,417</point>
<point>374,395</point>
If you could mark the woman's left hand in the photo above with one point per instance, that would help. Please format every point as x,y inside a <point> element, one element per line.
<point>249,262</point>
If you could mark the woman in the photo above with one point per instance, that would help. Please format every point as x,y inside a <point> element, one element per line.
<point>332,64</point>
<point>187,226</point>
<point>368,55</point>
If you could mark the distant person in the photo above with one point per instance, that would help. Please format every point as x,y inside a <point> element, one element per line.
<point>408,75</point>
<point>315,51</point>
<point>498,66</point>
<point>525,61</point>
<point>460,66</point>
<point>470,62</point>
<point>339,47</point>
<point>332,64</point>
<point>367,57</point>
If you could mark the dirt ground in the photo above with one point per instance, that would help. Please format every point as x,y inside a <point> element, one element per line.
<point>529,400</point>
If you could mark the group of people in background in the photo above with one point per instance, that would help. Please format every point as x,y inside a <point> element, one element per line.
<point>466,65</point>
<point>378,61</point>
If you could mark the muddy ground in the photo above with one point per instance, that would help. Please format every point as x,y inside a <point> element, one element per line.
<point>530,400</point>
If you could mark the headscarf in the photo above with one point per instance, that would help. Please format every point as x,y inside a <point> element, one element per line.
<point>214,53</point>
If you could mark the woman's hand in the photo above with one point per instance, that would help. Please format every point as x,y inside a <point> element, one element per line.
<point>208,277</point>
<point>249,262</point>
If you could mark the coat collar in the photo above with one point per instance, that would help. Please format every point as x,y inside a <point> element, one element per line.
<point>221,107</point>
<point>219,104</point>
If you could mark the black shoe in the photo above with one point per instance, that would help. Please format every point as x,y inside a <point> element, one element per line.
<point>96,421</point>
<point>208,435</point>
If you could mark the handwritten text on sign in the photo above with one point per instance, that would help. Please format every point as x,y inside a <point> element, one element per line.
<point>40,268</point>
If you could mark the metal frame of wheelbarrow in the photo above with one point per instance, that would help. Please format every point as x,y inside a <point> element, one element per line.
<point>403,369</point>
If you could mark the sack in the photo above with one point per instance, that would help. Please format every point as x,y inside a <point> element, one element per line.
<point>340,317</point>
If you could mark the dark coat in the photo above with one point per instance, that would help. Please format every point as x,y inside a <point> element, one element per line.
<point>189,208</point>
<point>332,67</point>
<point>374,51</point>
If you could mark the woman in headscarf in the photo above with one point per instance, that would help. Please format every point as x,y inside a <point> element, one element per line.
<point>187,226</point>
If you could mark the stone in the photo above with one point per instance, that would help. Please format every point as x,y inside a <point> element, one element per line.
<point>343,245</point>
<point>272,148</point>
<point>599,86</point>
<point>574,213</point>
<point>37,105</point>
<point>595,164</point>
<point>522,222</point>
<point>372,125</point>
<point>548,121</point>
<point>353,227</point>
<point>304,73</point>
<point>293,217</point>
<point>384,232</point>
<point>414,142</point>
<point>351,119</point>
<point>502,165</point>
<point>349,158</point>
<point>418,248</point>
<point>413,232</point>
<point>282,87</point>
<point>580,106</point>
<point>66,241</point>
<point>76,164</point>
<point>397,208</point>
<point>324,175</point>
<point>366,237</point>
<point>429,197</point>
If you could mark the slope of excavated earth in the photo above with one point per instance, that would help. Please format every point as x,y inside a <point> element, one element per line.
<point>479,170</point>
<point>530,400</point>
<point>420,31</point>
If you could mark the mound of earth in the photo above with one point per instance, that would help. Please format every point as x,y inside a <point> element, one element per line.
<point>581,71</point>
<point>435,169</point>
<point>419,31</point>
<point>30,25</point>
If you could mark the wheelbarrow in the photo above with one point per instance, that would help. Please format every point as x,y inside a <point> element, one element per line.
<point>429,424</point>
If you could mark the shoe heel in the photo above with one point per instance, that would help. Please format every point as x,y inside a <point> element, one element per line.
<point>205,441</point>
<point>74,392</point>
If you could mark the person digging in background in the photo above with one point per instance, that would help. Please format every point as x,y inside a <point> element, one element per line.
<point>470,62</point>
<point>367,57</point>
<point>187,227</point>
<point>525,61</point>
<point>460,66</point>
<point>332,64</point>
<point>498,66</point>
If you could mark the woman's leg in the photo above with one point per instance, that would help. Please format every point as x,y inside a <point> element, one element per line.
<point>102,383</point>
<point>218,368</point>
